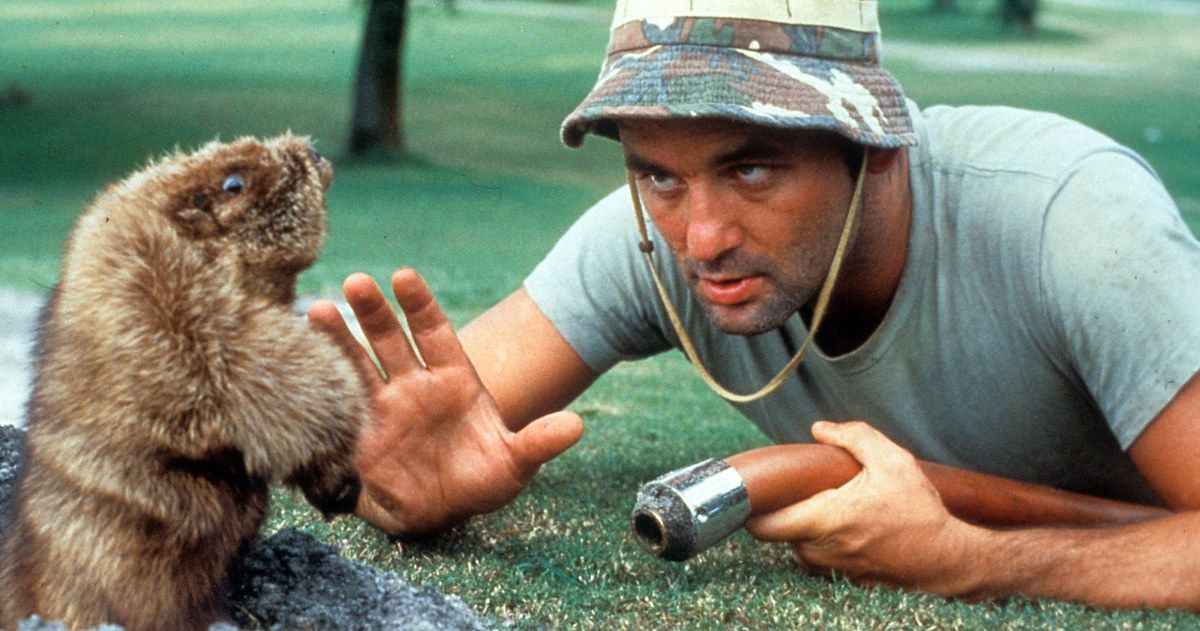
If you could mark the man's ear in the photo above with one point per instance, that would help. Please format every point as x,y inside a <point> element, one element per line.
<point>881,160</point>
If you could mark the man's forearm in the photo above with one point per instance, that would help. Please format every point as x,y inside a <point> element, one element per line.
<point>1153,564</point>
<point>889,524</point>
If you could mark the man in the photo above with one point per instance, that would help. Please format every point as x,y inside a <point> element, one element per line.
<point>1013,293</point>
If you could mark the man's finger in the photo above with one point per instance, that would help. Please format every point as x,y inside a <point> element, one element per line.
<point>380,324</point>
<point>431,331</point>
<point>371,512</point>
<point>544,439</point>
<point>324,315</point>
<point>803,521</point>
<point>802,563</point>
<point>865,443</point>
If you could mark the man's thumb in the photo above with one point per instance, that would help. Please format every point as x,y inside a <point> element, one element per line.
<point>545,438</point>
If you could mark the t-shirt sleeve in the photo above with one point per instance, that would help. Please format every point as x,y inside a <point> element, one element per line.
<point>1121,280</point>
<point>594,289</point>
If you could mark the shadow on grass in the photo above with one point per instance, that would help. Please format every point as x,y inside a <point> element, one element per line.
<point>458,540</point>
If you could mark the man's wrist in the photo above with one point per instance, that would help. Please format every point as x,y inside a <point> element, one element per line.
<point>966,566</point>
<point>999,562</point>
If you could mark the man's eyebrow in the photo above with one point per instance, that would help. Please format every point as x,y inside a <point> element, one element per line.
<point>638,164</point>
<point>750,151</point>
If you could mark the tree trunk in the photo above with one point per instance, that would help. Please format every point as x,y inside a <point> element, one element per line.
<point>377,124</point>
<point>1021,12</point>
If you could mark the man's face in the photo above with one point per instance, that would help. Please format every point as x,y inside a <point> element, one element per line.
<point>753,215</point>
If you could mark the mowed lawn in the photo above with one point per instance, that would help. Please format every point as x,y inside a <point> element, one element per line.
<point>89,91</point>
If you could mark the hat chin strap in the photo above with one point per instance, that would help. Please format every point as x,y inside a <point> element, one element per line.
<point>689,349</point>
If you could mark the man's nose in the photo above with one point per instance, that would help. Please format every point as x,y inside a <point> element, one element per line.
<point>713,228</point>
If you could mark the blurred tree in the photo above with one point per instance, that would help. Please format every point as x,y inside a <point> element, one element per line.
<point>377,125</point>
<point>944,5</point>
<point>1020,12</point>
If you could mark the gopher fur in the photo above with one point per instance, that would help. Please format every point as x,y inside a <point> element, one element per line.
<point>173,384</point>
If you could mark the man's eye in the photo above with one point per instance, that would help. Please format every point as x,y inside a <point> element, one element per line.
<point>661,182</point>
<point>753,173</point>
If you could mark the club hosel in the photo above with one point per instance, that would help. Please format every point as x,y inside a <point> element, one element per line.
<point>689,510</point>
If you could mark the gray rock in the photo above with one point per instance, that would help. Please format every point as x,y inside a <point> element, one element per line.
<point>293,581</point>
<point>35,623</point>
<point>12,448</point>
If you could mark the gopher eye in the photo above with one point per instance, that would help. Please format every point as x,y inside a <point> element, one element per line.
<point>233,184</point>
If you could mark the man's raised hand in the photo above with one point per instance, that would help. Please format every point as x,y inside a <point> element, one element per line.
<point>436,450</point>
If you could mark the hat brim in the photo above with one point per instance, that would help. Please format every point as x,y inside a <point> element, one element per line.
<point>858,100</point>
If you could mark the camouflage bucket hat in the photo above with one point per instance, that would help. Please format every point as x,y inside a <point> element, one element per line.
<point>809,64</point>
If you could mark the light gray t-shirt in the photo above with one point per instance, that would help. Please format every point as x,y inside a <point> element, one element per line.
<point>1048,311</point>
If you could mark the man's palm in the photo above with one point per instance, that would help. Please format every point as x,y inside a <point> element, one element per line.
<point>436,450</point>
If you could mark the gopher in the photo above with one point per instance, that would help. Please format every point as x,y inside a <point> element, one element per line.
<point>173,384</point>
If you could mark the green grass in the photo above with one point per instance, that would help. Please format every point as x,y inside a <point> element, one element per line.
<point>485,194</point>
<point>561,555</point>
<point>1148,101</point>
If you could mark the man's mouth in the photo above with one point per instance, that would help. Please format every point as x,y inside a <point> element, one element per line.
<point>728,291</point>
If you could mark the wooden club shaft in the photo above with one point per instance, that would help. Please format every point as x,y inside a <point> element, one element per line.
<point>780,475</point>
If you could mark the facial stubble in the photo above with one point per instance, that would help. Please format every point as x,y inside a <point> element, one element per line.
<point>791,283</point>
